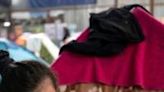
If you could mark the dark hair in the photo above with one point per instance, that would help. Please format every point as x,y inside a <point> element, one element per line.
<point>22,76</point>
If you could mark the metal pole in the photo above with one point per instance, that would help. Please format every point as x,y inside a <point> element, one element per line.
<point>152,6</point>
<point>9,18</point>
<point>115,3</point>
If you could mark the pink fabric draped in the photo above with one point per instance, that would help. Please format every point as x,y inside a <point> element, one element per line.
<point>140,64</point>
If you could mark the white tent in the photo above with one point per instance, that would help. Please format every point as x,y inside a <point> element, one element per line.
<point>21,15</point>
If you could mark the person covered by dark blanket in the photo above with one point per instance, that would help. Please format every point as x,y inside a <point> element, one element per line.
<point>110,32</point>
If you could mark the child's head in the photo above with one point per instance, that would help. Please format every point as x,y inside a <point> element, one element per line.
<point>26,76</point>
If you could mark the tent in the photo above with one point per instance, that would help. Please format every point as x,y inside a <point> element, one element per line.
<point>19,53</point>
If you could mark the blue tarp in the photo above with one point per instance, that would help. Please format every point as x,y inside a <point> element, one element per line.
<point>39,14</point>
<point>18,53</point>
<point>5,3</point>
<point>56,3</point>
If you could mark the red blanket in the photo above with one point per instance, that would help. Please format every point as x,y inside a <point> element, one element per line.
<point>139,64</point>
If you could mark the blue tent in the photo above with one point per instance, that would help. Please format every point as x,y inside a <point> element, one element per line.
<point>18,53</point>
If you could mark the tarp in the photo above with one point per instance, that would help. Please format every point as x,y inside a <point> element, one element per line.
<point>55,3</point>
<point>5,3</point>
<point>21,15</point>
<point>19,53</point>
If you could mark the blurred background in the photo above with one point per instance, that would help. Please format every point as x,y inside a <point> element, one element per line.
<point>43,26</point>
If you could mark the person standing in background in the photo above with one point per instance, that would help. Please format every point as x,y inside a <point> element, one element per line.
<point>61,32</point>
<point>56,29</point>
<point>49,28</point>
<point>20,39</point>
<point>12,36</point>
